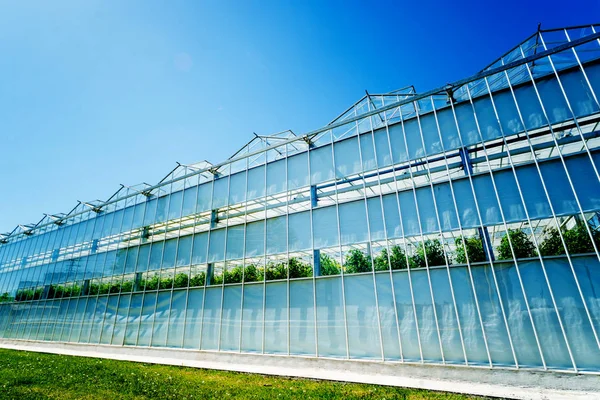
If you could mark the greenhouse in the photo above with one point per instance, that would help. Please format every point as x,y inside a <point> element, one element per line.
<point>455,226</point>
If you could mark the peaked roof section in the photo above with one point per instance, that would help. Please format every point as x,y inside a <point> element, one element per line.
<point>528,58</point>
<point>541,41</point>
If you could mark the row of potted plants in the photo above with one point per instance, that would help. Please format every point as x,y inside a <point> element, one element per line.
<point>429,252</point>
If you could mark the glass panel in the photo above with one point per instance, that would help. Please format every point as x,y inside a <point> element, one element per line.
<point>353,222</point>
<point>553,100</point>
<point>177,319</point>
<point>445,205</point>
<point>255,239</point>
<point>299,231</point>
<point>431,136</point>
<point>212,318</point>
<point>491,313</point>
<point>162,209</point>
<point>406,317</point>
<point>517,315</point>
<point>276,327</point>
<point>156,255</point>
<point>486,200</point>
<point>184,251</point>
<point>507,113</point>
<point>588,190</point>
<point>276,178</point>
<point>276,235</point>
<point>135,308</point>
<point>362,318</point>
<point>256,183</point>
<point>408,210</point>
<point>486,118</point>
<point>221,189</point>
<point>426,317</point>
<point>427,211</point>
<point>146,319</point>
<point>121,320</point>
<point>302,317</point>
<point>560,191</point>
<point>131,261</point>
<point>533,192</point>
<point>119,264</point>
<point>78,319</point>
<point>193,319</point>
<point>387,316</point>
<point>138,216</point>
<point>90,308</point>
<point>575,321</point>
<point>466,203</point>
<point>231,319</point>
<point>330,317</point>
<point>347,157</point>
<point>376,224</point>
<point>446,317</point>
<point>448,129</point>
<point>369,161</point>
<point>467,124</point>
<point>593,74</point>
<point>588,274</point>
<point>143,258</point>
<point>216,250</point>
<point>125,225</point>
<point>382,148</point>
<point>237,191</point>
<point>321,165</point>
<point>47,321</point>
<point>98,319</point>
<point>62,306</point>
<point>325,227</point>
<point>297,171</point>
<point>109,319</point>
<point>175,205</point>
<point>199,248</point>
<point>161,319</point>
<point>578,91</point>
<point>398,144</point>
<point>392,218</point>
<point>544,315</point>
<point>252,318</point>
<point>169,253</point>
<point>529,105</point>
<point>512,207</point>
<point>189,200</point>
<point>204,202</point>
<point>413,138</point>
<point>235,242</point>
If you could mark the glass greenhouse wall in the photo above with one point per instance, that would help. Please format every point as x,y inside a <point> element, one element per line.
<point>457,226</point>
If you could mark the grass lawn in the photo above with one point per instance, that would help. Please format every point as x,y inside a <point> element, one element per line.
<point>27,375</point>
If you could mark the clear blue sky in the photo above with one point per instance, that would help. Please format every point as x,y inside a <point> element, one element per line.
<point>97,93</point>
